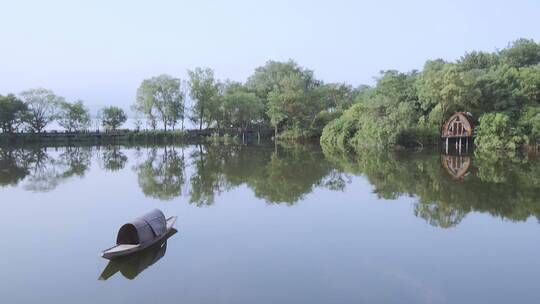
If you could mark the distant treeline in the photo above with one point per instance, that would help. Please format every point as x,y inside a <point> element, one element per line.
<point>35,109</point>
<point>501,89</point>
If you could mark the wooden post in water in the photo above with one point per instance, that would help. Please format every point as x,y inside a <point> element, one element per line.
<point>460,145</point>
<point>243,137</point>
<point>447,145</point>
<point>259,137</point>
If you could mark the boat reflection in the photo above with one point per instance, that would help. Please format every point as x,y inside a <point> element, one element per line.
<point>131,266</point>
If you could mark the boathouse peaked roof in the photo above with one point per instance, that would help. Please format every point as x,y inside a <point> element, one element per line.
<point>460,124</point>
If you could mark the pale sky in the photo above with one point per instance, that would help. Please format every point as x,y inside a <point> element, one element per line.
<point>99,51</point>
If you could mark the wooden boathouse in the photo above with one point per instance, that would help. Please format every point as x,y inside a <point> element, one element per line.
<point>460,129</point>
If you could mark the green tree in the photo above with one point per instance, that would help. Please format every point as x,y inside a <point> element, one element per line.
<point>295,104</point>
<point>444,89</point>
<point>337,96</point>
<point>383,117</point>
<point>240,108</point>
<point>497,132</point>
<point>529,124</point>
<point>42,107</point>
<point>161,96</point>
<point>478,60</point>
<point>12,113</point>
<point>429,85</point>
<point>74,117</point>
<point>275,83</point>
<point>145,106</point>
<point>528,86</point>
<point>269,77</point>
<point>456,94</point>
<point>520,53</point>
<point>112,117</point>
<point>338,133</point>
<point>204,92</point>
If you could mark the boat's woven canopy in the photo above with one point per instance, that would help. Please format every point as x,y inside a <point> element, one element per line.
<point>143,229</point>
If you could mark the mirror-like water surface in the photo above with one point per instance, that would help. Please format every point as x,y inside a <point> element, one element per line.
<point>265,224</point>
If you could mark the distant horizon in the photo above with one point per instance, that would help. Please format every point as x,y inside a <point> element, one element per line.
<point>100,52</point>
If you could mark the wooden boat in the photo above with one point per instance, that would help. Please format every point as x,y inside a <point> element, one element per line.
<point>132,265</point>
<point>140,233</point>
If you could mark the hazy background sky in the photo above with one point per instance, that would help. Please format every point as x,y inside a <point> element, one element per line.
<point>99,51</point>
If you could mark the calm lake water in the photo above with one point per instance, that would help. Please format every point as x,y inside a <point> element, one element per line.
<point>260,224</point>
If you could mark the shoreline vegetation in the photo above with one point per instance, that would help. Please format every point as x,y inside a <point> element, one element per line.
<point>287,102</point>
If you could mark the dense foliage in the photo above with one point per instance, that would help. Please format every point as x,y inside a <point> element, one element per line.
<point>38,108</point>
<point>295,102</point>
<point>162,98</point>
<point>501,89</point>
<point>112,118</point>
<point>281,95</point>
<point>12,113</point>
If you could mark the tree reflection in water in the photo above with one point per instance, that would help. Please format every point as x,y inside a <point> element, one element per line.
<point>113,159</point>
<point>161,175</point>
<point>47,172</point>
<point>284,175</point>
<point>445,188</point>
<point>42,170</point>
<point>503,187</point>
<point>13,167</point>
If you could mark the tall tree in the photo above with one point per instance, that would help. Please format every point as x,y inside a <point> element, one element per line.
<point>204,92</point>
<point>162,95</point>
<point>42,107</point>
<point>12,113</point>
<point>270,77</point>
<point>240,108</point>
<point>74,117</point>
<point>294,104</point>
<point>112,117</point>
<point>287,92</point>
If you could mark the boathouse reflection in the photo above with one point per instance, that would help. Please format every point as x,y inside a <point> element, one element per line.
<point>457,166</point>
